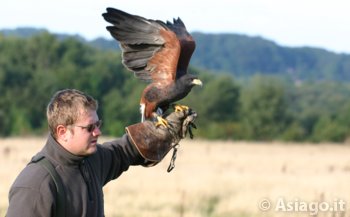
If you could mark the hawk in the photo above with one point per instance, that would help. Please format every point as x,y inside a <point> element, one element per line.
<point>158,53</point>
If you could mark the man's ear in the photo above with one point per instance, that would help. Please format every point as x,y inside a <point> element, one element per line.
<point>61,132</point>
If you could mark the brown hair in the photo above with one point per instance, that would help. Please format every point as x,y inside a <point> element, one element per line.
<point>65,106</point>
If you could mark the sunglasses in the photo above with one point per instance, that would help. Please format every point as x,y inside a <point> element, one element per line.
<point>91,127</point>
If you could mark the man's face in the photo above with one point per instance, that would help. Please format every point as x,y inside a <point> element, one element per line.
<point>79,140</point>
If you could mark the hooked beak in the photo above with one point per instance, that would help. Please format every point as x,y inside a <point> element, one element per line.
<point>197,82</point>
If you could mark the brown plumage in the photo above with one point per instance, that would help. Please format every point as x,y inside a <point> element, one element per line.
<point>156,52</point>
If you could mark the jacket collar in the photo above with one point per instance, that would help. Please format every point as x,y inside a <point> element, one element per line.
<point>57,153</point>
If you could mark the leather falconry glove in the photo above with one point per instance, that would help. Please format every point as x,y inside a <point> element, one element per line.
<point>154,142</point>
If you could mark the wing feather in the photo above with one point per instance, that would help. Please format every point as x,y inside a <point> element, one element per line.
<point>187,43</point>
<point>149,48</point>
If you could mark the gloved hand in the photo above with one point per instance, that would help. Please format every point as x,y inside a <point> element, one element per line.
<point>154,142</point>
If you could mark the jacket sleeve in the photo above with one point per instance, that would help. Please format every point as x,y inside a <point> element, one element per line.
<point>115,157</point>
<point>32,196</point>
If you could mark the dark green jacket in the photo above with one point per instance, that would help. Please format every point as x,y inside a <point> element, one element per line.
<point>33,193</point>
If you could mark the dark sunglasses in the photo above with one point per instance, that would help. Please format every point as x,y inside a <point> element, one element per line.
<point>91,127</point>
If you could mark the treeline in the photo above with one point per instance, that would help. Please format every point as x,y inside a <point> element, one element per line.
<point>244,56</point>
<point>259,108</point>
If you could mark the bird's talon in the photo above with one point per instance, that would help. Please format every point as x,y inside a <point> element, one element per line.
<point>180,108</point>
<point>161,122</point>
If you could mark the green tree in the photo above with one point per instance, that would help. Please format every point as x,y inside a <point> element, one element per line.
<point>221,99</point>
<point>264,108</point>
<point>328,130</point>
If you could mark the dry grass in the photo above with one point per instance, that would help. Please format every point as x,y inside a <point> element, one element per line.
<point>213,179</point>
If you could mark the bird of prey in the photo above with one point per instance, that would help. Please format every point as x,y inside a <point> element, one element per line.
<point>157,52</point>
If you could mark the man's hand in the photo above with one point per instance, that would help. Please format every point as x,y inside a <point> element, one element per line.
<point>154,142</point>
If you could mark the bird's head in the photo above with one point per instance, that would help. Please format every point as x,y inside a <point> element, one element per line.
<point>190,81</point>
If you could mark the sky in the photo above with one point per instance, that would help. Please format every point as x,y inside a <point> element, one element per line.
<point>314,23</point>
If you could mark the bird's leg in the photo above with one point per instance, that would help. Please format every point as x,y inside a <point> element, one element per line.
<point>159,111</point>
<point>180,108</point>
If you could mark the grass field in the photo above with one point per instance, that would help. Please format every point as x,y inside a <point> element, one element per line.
<point>221,179</point>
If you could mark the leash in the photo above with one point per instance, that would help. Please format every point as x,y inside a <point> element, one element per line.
<point>173,158</point>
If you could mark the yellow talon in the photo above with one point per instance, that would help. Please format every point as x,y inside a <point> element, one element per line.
<point>161,122</point>
<point>180,108</point>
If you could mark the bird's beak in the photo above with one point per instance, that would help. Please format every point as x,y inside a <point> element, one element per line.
<point>197,82</point>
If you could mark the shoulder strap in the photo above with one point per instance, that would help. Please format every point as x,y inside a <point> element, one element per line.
<point>60,200</point>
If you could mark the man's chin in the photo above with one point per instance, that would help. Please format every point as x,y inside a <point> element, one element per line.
<point>91,150</point>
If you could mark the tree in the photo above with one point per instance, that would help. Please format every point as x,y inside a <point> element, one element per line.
<point>264,108</point>
<point>220,97</point>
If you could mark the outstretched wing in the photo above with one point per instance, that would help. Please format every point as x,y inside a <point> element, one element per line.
<point>149,48</point>
<point>187,43</point>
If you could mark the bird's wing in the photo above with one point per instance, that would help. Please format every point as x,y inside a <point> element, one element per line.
<point>187,44</point>
<point>149,48</point>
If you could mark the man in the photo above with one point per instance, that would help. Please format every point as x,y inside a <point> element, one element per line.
<point>84,166</point>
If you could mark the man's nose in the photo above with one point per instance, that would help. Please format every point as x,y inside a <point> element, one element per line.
<point>97,132</point>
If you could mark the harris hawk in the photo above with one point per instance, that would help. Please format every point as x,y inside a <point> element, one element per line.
<point>158,53</point>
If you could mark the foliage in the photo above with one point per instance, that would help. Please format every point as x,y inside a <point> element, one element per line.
<point>264,106</point>
<point>244,56</point>
<point>257,108</point>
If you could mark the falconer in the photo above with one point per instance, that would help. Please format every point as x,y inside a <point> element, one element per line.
<point>66,177</point>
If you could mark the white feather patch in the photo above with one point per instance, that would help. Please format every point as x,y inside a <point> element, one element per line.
<point>142,111</point>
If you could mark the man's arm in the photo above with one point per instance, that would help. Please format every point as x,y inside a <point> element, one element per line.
<point>114,157</point>
<point>144,144</point>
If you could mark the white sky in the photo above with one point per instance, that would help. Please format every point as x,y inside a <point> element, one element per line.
<point>317,23</point>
